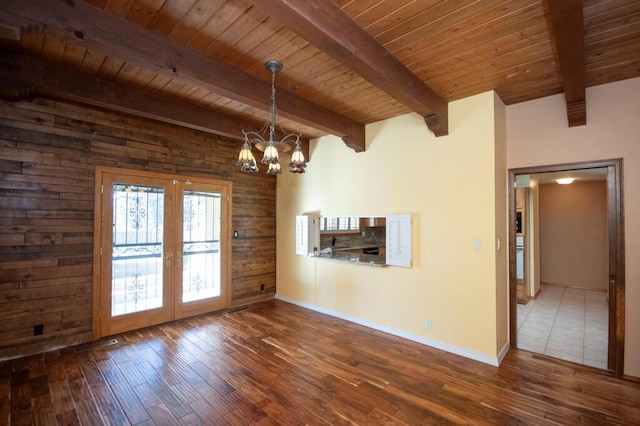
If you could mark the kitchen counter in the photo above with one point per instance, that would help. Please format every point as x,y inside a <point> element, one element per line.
<point>355,258</point>
<point>353,248</point>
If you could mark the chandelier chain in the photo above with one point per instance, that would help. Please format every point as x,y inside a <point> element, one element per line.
<point>272,129</point>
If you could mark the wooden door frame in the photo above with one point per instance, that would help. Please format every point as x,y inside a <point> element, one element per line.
<point>615,208</point>
<point>225,237</point>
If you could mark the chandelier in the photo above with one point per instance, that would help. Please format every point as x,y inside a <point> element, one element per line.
<point>264,139</point>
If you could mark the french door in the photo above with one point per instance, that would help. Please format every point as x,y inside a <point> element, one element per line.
<point>162,248</point>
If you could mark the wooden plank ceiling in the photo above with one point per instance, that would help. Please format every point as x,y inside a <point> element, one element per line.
<point>352,62</point>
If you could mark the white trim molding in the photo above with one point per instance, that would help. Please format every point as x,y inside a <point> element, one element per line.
<point>487,359</point>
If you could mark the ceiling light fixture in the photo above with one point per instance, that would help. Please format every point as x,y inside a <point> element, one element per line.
<point>264,139</point>
<point>565,181</point>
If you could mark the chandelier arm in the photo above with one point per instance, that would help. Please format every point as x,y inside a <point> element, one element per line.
<point>264,127</point>
<point>290,136</point>
<point>255,135</point>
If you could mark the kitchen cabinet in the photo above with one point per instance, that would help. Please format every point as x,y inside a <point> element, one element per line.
<point>522,208</point>
<point>521,297</point>
<point>520,194</point>
<point>378,222</point>
<point>373,222</point>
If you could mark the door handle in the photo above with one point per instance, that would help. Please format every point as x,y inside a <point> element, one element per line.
<point>612,279</point>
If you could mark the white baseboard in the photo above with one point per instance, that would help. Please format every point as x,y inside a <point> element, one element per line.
<point>503,352</point>
<point>495,361</point>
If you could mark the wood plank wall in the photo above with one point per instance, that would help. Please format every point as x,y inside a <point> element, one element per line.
<point>48,153</point>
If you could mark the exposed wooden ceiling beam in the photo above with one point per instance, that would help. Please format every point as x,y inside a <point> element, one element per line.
<point>325,25</point>
<point>25,75</point>
<point>568,31</point>
<point>95,28</point>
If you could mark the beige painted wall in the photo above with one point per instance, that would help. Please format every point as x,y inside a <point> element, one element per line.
<point>537,134</point>
<point>501,219</point>
<point>573,234</point>
<point>452,187</point>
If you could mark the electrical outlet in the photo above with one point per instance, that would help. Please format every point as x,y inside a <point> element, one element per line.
<point>427,324</point>
<point>261,286</point>
<point>38,329</point>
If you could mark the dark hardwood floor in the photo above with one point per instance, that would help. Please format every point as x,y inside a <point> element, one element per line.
<point>276,363</point>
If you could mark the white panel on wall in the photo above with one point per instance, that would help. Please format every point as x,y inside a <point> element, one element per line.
<point>307,235</point>
<point>399,240</point>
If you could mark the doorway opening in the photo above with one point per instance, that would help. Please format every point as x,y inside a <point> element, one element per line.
<point>577,284</point>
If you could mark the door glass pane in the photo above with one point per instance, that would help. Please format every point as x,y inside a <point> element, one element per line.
<point>201,245</point>
<point>137,279</point>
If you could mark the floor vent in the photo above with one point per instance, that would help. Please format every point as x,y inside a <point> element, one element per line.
<point>95,345</point>
<point>238,309</point>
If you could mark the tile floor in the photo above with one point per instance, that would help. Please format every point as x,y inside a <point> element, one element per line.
<point>566,323</point>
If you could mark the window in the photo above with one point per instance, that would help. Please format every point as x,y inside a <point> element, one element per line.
<point>337,224</point>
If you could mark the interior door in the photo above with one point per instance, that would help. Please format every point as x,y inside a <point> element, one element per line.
<point>163,249</point>
<point>616,269</point>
